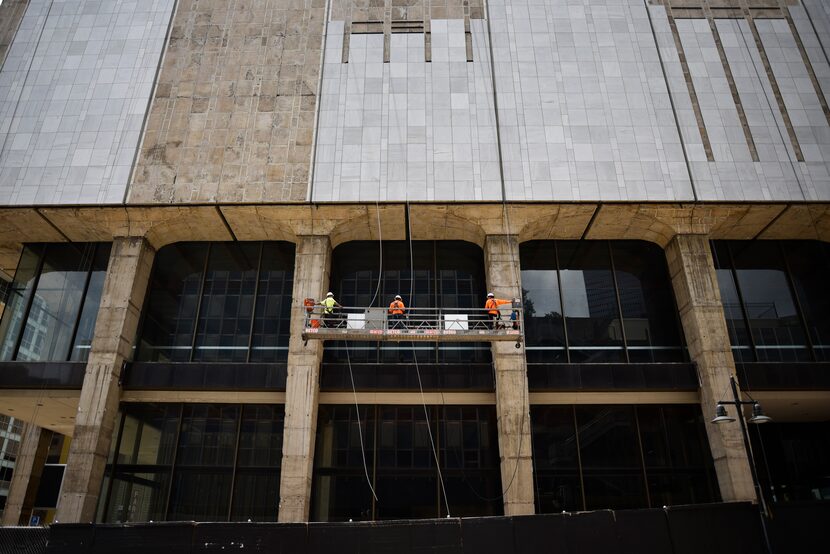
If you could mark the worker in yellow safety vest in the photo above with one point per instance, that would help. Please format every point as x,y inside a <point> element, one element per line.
<point>329,303</point>
<point>492,307</point>
<point>396,311</point>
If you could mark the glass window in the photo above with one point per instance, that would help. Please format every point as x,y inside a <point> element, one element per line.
<point>224,325</point>
<point>401,463</point>
<point>273,304</point>
<point>138,496</point>
<point>674,453</point>
<point>170,311</point>
<point>742,349</point>
<point>14,315</point>
<point>232,301</point>
<point>612,468</point>
<point>596,457</point>
<point>54,302</point>
<point>769,303</point>
<point>208,435</point>
<point>148,435</point>
<point>89,313</point>
<point>448,274</point>
<point>574,291</point>
<point>590,302</point>
<point>794,458</point>
<point>648,309</point>
<point>809,263</point>
<point>544,322</point>
<point>200,495</point>
<point>222,467</point>
<point>775,290</point>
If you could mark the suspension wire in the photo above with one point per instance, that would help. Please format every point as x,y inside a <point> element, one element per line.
<point>418,369</point>
<point>359,426</point>
<point>740,365</point>
<point>525,393</point>
<point>380,258</point>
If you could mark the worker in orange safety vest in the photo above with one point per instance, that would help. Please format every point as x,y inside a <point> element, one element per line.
<point>492,307</point>
<point>396,311</point>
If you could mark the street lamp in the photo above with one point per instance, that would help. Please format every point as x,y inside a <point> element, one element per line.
<point>758,417</point>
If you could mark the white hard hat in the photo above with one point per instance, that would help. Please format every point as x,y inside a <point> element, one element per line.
<point>489,294</point>
<point>330,294</point>
<point>397,297</point>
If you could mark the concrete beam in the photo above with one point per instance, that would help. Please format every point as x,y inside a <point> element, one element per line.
<point>501,261</point>
<point>28,468</point>
<point>695,285</point>
<point>311,279</point>
<point>123,296</point>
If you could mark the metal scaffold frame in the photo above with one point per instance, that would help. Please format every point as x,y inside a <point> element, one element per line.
<point>418,324</point>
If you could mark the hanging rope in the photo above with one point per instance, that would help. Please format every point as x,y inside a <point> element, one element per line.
<point>417,368</point>
<point>359,426</point>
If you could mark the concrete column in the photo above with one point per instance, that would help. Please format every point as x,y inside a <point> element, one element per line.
<point>28,467</point>
<point>701,312</point>
<point>501,259</point>
<point>115,329</point>
<point>311,279</point>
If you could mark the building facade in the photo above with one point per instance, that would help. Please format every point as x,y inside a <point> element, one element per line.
<point>647,178</point>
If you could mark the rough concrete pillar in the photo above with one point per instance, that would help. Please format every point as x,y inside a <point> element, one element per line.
<point>501,259</point>
<point>28,467</point>
<point>701,312</point>
<point>311,279</point>
<point>115,329</point>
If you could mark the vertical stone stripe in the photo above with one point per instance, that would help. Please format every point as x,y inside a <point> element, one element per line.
<point>123,296</point>
<point>28,468</point>
<point>311,277</point>
<point>701,313</point>
<point>733,89</point>
<point>512,404</point>
<point>687,74</point>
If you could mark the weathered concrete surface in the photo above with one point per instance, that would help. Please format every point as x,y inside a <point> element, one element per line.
<point>701,313</point>
<point>11,13</point>
<point>123,296</point>
<point>311,279</point>
<point>501,262</point>
<point>232,117</point>
<point>34,447</point>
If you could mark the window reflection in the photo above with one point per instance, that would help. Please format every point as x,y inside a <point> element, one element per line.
<point>53,302</point>
<point>573,293</point>
<point>775,298</point>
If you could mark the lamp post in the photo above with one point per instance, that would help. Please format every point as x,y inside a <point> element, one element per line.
<point>758,417</point>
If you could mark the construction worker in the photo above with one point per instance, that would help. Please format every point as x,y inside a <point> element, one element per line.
<point>396,311</point>
<point>492,307</point>
<point>329,304</point>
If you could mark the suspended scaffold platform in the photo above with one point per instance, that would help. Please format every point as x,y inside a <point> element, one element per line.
<point>417,324</point>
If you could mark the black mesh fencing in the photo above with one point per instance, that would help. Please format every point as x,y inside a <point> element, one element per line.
<point>725,528</point>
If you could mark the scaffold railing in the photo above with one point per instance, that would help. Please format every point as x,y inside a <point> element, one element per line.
<point>415,324</point>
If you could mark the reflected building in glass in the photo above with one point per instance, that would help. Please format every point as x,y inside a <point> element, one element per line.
<point>182,183</point>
